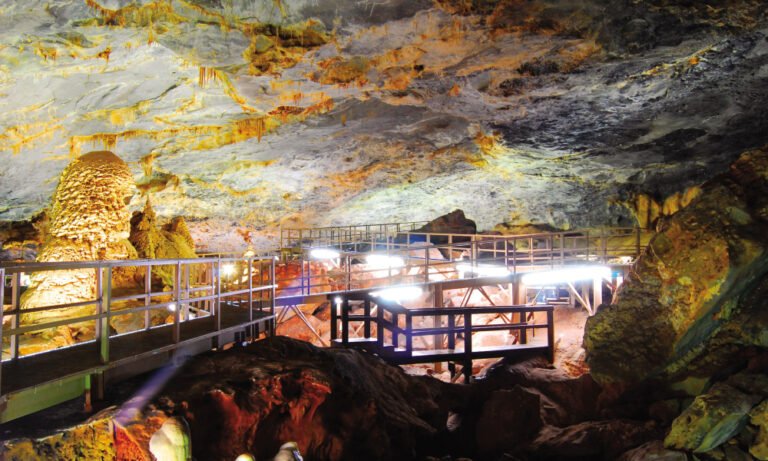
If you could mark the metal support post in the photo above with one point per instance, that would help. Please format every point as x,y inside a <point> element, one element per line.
<point>16,320</point>
<point>177,300</point>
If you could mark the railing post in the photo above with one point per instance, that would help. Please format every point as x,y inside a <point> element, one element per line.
<point>604,244</point>
<point>103,291</point>
<point>345,321</point>
<point>147,295</point>
<point>551,245</point>
<point>309,277</point>
<point>506,253</point>
<point>301,272</point>
<point>467,346</point>
<point>523,330</point>
<point>273,294</point>
<point>562,248</point>
<point>514,256</point>
<point>334,320</point>
<point>379,327</point>
<point>2,306</point>
<point>367,321</point>
<point>551,334</point>
<point>426,264</point>
<point>217,300</point>
<point>587,245</point>
<point>408,333</point>
<point>16,320</point>
<point>177,299</point>
<point>250,296</point>
<point>348,270</point>
<point>395,333</point>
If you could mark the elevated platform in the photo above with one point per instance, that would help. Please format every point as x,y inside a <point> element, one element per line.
<point>389,330</point>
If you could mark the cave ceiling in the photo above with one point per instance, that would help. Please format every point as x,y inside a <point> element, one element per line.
<point>323,112</point>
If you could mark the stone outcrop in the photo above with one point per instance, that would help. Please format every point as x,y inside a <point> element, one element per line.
<point>90,440</point>
<point>712,419</point>
<point>758,417</point>
<point>89,220</point>
<point>695,305</point>
<point>452,223</point>
<point>152,241</point>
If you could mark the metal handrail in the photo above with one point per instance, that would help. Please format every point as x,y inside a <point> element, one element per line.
<point>390,316</point>
<point>294,237</point>
<point>207,297</point>
<point>516,253</point>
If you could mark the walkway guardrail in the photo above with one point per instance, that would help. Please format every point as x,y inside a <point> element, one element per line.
<point>418,257</point>
<point>453,329</point>
<point>163,304</point>
<point>349,237</point>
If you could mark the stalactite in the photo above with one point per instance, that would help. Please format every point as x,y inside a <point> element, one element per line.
<point>206,74</point>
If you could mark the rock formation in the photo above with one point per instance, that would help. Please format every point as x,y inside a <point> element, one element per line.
<point>695,306</point>
<point>341,404</point>
<point>692,319</point>
<point>89,220</point>
<point>171,241</point>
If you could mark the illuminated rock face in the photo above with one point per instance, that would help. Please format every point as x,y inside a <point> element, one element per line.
<point>256,114</point>
<point>89,220</point>
<point>695,307</point>
<point>171,241</point>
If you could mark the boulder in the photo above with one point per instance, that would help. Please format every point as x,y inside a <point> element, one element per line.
<point>653,451</point>
<point>711,419</point>
<point>696,300</point>
<point>759,417</point>
<point>90,440</point>
<point>592,440</point>
<point>508,418</point>
<point>452,223</point>
<point>170,241</point>
<point>565,400</point>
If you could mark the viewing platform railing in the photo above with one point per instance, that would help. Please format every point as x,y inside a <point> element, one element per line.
<point>452,330</point>
<point>413,257</point>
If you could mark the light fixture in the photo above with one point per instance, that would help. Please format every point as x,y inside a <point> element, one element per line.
<point>227,270</point>
<point>384,262</point>
<point>249,253</point>
<point>626,259</point>
<point>337,300</point>
<point>172,307</point>
<point>245,457</point>
<point>398,294</point>
<point>483,270</point>
<point>324,253</point>
<point>569,275</point>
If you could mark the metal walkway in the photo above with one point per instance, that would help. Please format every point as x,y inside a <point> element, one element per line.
<point>217,300</point>
<point>214,301</point>
<point>391,331</point>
